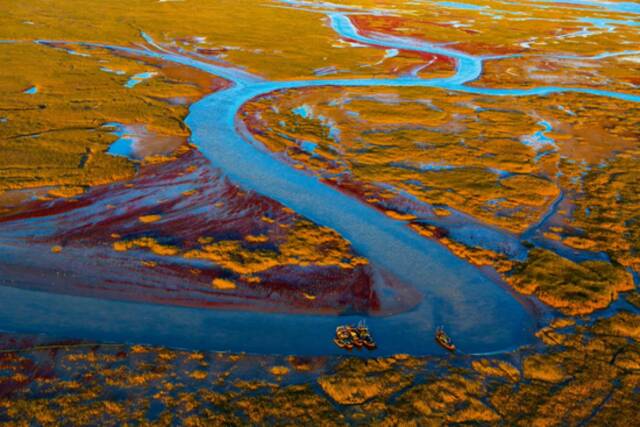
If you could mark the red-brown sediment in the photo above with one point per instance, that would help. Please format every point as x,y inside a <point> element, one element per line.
<point>192,201</point>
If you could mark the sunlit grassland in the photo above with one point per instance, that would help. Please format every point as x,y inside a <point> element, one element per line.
<point>56,136</point>
<point>262,36</point>
<point>504,162</point>
<point>496,26</point>
<point>444,148</point>
<point>538,40</point>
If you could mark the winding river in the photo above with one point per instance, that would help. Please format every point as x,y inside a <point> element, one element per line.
<point>482,316</point>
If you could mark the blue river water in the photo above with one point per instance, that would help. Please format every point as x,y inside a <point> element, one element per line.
<point>481,315</point>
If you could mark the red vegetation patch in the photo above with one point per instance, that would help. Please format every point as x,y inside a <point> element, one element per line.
<point>190,201</point>
<point>367,24</point>
<point>402,27</point>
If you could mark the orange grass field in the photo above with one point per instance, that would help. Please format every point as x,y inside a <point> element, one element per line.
<point>537,189</point>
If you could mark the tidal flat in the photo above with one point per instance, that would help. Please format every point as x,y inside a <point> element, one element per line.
<point>195,194</point>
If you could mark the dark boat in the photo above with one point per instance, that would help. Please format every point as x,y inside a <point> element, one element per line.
<point>347,337</point>
<point>343,338</point>
<point>365,336</point>
<point>444,340</point>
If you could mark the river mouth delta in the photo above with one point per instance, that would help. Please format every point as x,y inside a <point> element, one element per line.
<point>196,194</point>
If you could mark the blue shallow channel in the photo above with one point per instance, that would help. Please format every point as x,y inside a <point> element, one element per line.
<point>482,316</point>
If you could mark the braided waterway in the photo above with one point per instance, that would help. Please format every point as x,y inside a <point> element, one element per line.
<point>482,316</point>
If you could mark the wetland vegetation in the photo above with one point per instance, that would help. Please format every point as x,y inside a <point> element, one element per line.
<point>493,144</point>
